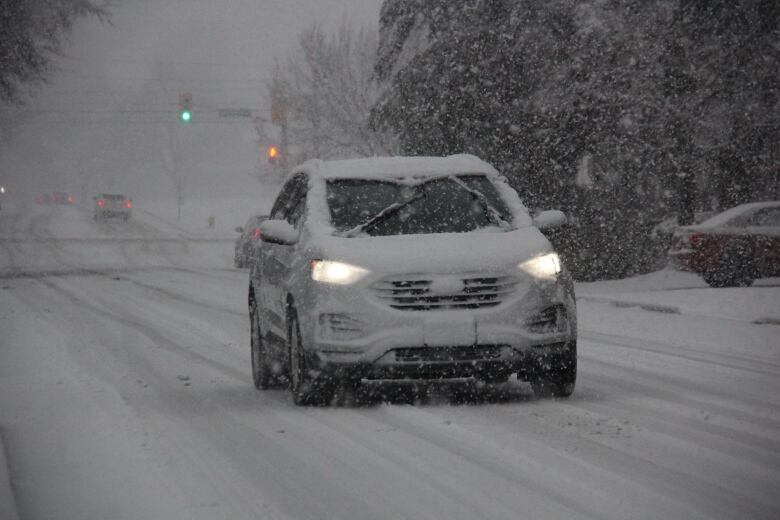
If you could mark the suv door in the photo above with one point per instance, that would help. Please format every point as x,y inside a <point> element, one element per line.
<point>275,259</point>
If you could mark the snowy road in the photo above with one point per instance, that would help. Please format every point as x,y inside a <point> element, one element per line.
<point>126,394</point>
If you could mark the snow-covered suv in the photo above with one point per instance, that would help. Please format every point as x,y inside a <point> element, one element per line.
<point>407,267</point>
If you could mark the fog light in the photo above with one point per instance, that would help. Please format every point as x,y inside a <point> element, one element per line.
<point>339,326</point>
<point>548,320</point>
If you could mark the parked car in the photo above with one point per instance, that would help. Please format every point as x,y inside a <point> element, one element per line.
<point>108,205</point>
<point>399,268</point>
<point>247,241</point>
<point>732,248</point>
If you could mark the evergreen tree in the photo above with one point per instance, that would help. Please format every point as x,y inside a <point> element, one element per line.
<point>673,103</point>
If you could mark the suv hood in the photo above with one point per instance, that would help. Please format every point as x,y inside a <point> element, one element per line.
<point>435,253</point>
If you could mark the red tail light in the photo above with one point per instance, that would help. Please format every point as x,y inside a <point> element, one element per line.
<point>694,240</point>
<point>128,204</point>
<point>255,233</point>
<point>70,199</point>
<point>101,203</point>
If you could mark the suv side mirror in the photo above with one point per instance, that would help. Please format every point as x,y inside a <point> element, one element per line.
<point>278,232</point>
<point>550,219</point>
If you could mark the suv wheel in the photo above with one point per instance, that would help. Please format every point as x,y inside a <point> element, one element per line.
<point>305,388</point>
<point>261,374</point>
<point>558,378</point>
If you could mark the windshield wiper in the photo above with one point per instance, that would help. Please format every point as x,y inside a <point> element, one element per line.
<point>386,213</point>
<point>490,212</point>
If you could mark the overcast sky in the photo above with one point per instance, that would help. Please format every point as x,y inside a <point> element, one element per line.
<point>220,51</point>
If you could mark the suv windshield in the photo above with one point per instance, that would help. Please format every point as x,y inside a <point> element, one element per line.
<point>456,204</point>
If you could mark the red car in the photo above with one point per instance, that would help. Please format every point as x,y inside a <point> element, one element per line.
<point>60,197</point>
<point>732,248</point>
<point>109,205</point>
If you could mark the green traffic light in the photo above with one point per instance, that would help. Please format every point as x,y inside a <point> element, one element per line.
<point>185,116</point>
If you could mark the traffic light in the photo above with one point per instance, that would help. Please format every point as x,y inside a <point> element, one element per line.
<point>272,153</point>
<point>185,107</point>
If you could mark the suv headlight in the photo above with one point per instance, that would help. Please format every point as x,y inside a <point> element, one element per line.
<point>339,273</point>
<point>544,266</point>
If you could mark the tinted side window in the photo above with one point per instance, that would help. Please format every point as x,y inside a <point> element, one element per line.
<point>295,200</point>
<point>295,216</point>
<point>279,211</point>
<point>276,211</point>
<point>766,217</point>
<point>294,208</point>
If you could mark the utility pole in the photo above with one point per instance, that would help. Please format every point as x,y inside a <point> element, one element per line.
<point>174,169</point>
<point>279,117</point>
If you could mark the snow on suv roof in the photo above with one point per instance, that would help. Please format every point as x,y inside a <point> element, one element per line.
<point>396,167</point>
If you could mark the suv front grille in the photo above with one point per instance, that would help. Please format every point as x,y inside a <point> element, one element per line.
<point>444,292</point>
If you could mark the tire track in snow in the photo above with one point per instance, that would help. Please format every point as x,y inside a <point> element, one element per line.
<point>181,297</point>
<point>735,461</point>
<point>602,465</point>
<point>225,437</point>
<point>512,480</point>
<point>11,224</point>
<point>730,361</point>
<point>763,414</point>
<point>146,330</point>
<point>172,418</point>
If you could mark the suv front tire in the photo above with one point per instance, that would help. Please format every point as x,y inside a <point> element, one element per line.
<point>307,389</point>
<point>557,377</point>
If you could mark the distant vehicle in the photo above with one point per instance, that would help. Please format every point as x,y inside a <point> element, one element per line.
<point>56,197</point>
<point>408,268</point>
<point>247,241</point>
<point>108,205</point>
<point>732,248</point>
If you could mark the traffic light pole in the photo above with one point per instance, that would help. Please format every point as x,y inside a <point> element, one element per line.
<point>177,176</point>
<point>285,143</point>
<point>173,147</point>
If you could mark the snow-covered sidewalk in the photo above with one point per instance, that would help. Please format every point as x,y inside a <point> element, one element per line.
<point>677,292</point>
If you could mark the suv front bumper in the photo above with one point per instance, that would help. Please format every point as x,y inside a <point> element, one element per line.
<point>357,337</point>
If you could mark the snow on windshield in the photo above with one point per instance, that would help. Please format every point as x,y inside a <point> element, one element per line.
<point>440,205</point>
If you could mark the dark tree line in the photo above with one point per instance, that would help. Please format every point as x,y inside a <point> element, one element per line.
<point>620,112</point>
<point>31,32</point>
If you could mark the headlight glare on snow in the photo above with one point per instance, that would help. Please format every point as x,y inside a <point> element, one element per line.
<point>338,273</point>
<point>543,266</point>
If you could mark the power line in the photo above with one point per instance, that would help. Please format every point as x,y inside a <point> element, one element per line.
<point>167,62</point>
<point>155,90</point>
<point>222,121</point>
<point>78,75</point>
<point>115,111</point>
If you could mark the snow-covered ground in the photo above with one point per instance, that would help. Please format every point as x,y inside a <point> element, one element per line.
<point>125,393</point>
<point>65,239</point>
